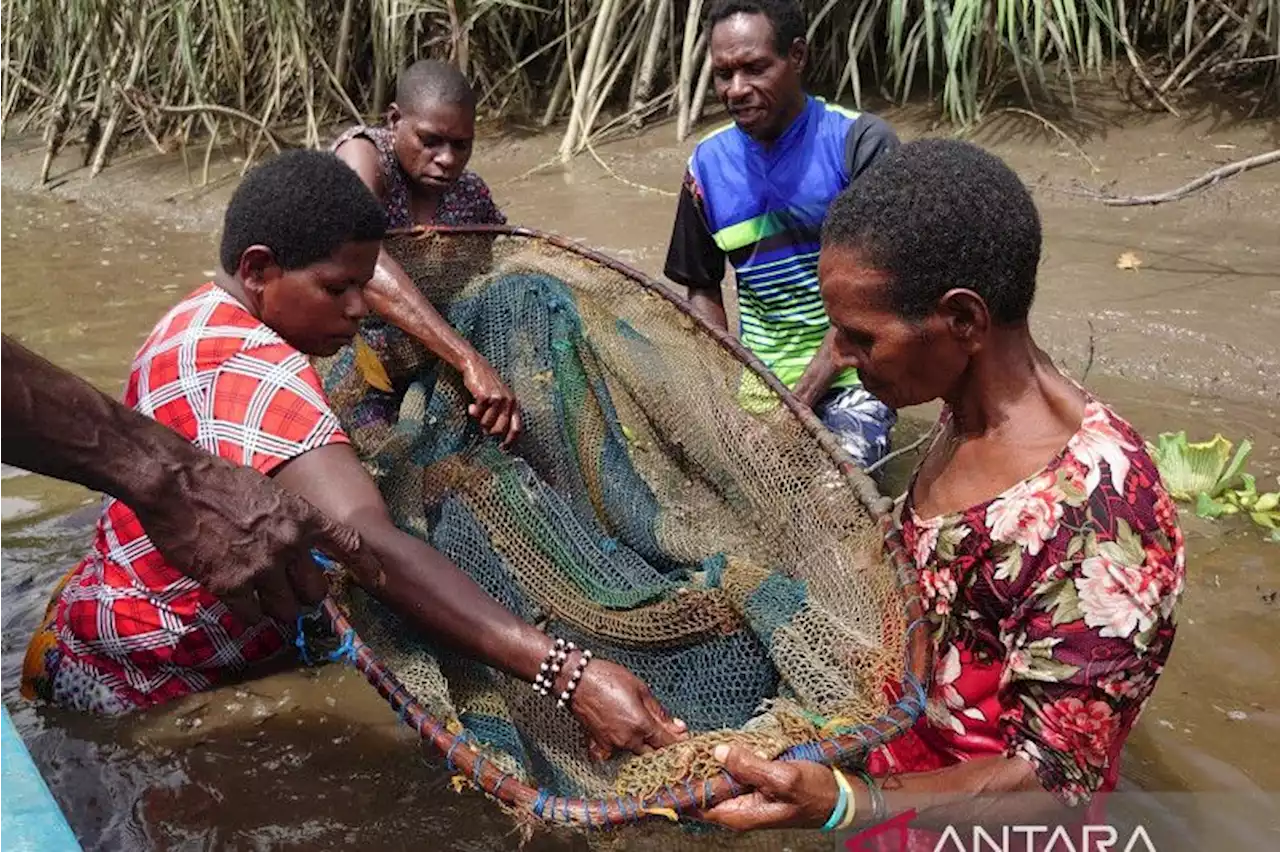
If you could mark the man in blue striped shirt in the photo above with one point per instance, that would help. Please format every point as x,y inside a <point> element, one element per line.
<point>756,193</point>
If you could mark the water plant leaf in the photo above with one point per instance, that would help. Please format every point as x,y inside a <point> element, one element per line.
<point>1191,468</point>
<point>1207,507</point>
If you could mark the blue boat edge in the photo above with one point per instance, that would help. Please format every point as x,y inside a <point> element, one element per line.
<point>30,818</point>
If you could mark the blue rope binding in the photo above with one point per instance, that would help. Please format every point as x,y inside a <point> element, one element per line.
<point>346,652</point>
<point>918,698</point>
<point>541,802</point>
<point>324,562</point>
<point>300,640</point>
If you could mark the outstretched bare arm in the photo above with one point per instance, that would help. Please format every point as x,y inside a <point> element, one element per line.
<point>616,709</point>
<point>228,527</point>
<point>392,295</point>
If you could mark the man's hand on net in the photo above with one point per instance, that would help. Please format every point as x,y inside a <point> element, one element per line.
<point>493,405</point>
<point>248,540</point>
<point>619,712</point>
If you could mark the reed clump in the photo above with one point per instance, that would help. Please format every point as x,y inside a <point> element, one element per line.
<point>264,73</point>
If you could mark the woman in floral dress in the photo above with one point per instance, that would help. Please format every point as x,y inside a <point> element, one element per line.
<point>417,167</point>
<point>1049,553</point>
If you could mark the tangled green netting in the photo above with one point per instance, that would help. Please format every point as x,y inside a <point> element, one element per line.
<point>662,508</point>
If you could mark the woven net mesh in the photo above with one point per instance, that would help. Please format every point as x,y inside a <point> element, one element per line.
<point>663,508</point>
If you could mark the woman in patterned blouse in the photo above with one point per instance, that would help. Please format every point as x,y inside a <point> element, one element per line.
<point>417,167</point>
<point>1049,553</point>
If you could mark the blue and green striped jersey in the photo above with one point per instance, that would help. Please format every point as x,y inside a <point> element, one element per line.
<point>761,208</point>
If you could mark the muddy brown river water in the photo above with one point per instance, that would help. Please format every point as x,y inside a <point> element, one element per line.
<point>305,760</point>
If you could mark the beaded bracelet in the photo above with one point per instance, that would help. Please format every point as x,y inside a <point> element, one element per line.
<point>572,685</point>
<point>551,664</point>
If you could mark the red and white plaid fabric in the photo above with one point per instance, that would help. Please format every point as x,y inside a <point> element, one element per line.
<point>133,625</point>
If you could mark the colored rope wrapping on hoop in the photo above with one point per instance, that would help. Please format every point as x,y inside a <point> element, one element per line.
<point>300,637</point>
<point>497,787</point>
<point>435,730</point>
<point>911,705</point>
<point>541,802</point>
<point>916,703</point>
<point>346,651</point>
<point>300,633</point>
<point>810,751</point>
<point>460,739</point>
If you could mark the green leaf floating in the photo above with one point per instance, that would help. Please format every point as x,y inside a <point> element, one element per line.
<point>1189,469</point>
<point>1209,475</point>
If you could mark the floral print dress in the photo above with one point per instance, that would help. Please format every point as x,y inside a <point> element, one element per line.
<point>467,201</point>
<point>1053,606</point>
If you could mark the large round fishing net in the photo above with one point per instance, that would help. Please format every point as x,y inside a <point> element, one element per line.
<point>669,506</point>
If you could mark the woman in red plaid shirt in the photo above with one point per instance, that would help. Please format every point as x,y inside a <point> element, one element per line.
<point>228,369</point>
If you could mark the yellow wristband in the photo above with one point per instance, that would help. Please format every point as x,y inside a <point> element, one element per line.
<point>852,810</point>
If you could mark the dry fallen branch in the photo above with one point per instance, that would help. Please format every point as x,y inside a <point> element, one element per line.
<point>1062,134</point>
<point>1205,180</point>
<point>631,183</point>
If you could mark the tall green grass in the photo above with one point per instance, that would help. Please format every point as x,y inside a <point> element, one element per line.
<point>95,72</point>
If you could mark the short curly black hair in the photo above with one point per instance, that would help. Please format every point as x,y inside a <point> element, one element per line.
<point>430,81</point>
<point>302,205</point>
<point>785,15</point>
<point>936,214</point>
